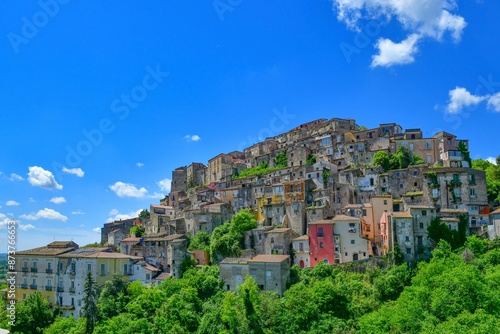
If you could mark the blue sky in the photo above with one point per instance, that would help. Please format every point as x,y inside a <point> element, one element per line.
<point>100,101</point>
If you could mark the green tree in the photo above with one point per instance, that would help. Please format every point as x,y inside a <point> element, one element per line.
<point>63,325</point>
<point>32,315</point>
<point>201,241</point>
<point>249,293</point>
<point>144,215</point>
<point>228,238</point>
<point>137,230</point>
<point>381,158</point>
<point>311,160</point>
<point>281,160</point>
<point>90,298</point>
<point>113,297</point>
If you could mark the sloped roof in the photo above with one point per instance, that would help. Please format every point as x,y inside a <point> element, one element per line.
<point>269,258</point>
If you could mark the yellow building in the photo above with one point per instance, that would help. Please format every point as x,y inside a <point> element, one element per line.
<point>37,270</point>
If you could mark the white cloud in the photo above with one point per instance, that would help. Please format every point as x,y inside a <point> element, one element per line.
<point>165,184</point>
<point>15,177</point>
<point>157,196</point>
<point>492,160</point>
<point>128,190</point>
<point>494,102</point>
<point>75,171</point>
<point>391,53</point>
<point>139,164</point>
<point>460,98</point>
<point>115,215</point>
<point>32,200</point>
<point>45,214</point>
<point>40,177</point>
<point>78,212</point>
<point>58,200</point>
<point>11,203</point>
<point>4,221</point>
<point>122,189</point>
<point>97,230</point>
<point>423,18</point>
<point>26,227</point>
<point>192,138</point>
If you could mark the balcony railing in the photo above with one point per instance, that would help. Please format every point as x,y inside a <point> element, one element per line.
<point>48,271</point>
<point>72,290</point>
<point>48,287</point>
<point>25,269</point>
<point>33,287</point>
<point>34,270</point>
<point>60,289</point>
<point>24,286</point>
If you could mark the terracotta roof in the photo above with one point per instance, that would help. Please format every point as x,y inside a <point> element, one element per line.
<point>496,211</point>
<point>101,253</point>
<point>303,237</point>
<point>453,220</point>
<point>344,218</point>
<point>402,215</point>
<point>162,206</point>
<point>421,207</point>
<point>269,258</point>
<point>163,276</point>
<point>46,251</point>
<point>454,211</point>
<point>149,267</point>
<point>131,239</point>
<point>278,230</point>
<point>322,222</point>
<point>235,260</point>
<point>163,237</point>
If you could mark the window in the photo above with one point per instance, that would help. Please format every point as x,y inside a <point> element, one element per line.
<point>457,192</point>
<point>49,283</point>
<point>421,225</point>
<point>320,244</point>
<point>372,182</point>
<point>320,232</point>
<point>49,265</point>
<point>301,246</point>
<point>148,277</point>
<point>352,228</point>
<point>364,212</point>
<point>103,269</point>
<point>72,301</point>
<point>89,267</point>
<point>408,251</point>
<point>227,287</point>
<point>456,178</point>
<point>415,173</point>
<point>472,179</point>
<point>435,192</point>
<point>419,241</point>
<point>385,202</point>
<point>353,242</point>
<point>346,254</point>
<point>401,186</point>
<point>407,238</point>
<point>415,184</point>
<point>73,267</point>
<point>268,273</point>
<point>472,192</point>
<point>272,240</point>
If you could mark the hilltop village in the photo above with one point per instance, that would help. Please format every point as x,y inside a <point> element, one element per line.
<point>326,191</point>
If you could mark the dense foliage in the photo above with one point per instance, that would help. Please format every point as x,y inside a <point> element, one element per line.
<point>454,292</point>
<point>227,239</point>
<point>492,178</point>
<point>399,160</point>
<point>255,171</point>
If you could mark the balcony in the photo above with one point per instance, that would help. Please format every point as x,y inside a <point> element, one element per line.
<point>34,270</point>
<point>25,269</point>
<point>60,289</point>
<point>48,287</point>
<point>48,271</point>
<point>33,287</point>
<point>72,290</point>
<point>24,286</point>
